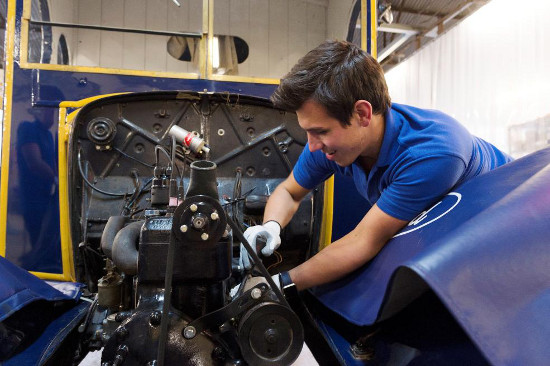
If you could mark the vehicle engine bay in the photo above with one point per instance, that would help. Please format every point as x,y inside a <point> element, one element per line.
<point>163,184</point>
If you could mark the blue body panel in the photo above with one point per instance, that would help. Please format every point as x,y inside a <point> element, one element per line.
<point>19,288</point>
<point>51,338</point>
<point>33,234</point>
<point>484,250</point>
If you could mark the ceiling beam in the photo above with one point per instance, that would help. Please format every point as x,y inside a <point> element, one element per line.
<point>398,28</point>
<point>415,11</point>
<point>397,42</point>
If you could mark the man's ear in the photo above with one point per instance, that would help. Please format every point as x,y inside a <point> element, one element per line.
<point>363,110</point>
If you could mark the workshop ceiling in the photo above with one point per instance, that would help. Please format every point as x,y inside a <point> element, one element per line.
<point>404,26</point>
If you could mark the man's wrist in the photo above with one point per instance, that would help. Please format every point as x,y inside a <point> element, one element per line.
<point>287,286</point>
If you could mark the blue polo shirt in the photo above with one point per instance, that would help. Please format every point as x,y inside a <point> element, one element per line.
<point>424,154</point>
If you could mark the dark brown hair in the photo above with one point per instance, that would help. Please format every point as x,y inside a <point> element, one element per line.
<point>335,74</point>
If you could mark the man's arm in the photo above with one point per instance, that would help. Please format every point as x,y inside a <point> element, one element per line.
<point>284,201</point>
<point>348,253</point>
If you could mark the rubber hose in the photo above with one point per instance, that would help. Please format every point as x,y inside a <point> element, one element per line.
<point>113,226</point>
<point>125,252</point>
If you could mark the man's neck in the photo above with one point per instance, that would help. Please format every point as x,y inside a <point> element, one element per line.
<point>370,155</point>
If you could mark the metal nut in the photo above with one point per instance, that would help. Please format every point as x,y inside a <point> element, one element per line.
<point>204,236</point>
<point>256,293</point>
<point>199,221</point>
<point>193,207</point>
<point>214,216</point>
<point>183,228</point>
<point>189,332</point>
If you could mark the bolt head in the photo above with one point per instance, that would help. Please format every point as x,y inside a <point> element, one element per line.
<point>256,293</point>
<point>193,207</point>
<point>214,215</point>
<point>204,236</point>
<point>183,228</point>
<point>189,332</point>
<point>199,221</point>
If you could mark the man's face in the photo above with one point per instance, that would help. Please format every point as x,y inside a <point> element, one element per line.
<point>340,144</point>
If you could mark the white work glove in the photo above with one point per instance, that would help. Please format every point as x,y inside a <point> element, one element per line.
<point>271,230</point>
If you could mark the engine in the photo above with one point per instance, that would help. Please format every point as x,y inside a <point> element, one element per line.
<point>165,277</point>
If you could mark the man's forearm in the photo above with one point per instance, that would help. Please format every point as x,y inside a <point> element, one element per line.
<point>280,207</point>
<point>335,261</point>
<point>348,253</point>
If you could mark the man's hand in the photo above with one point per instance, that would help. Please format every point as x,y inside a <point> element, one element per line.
<point>271,231</point>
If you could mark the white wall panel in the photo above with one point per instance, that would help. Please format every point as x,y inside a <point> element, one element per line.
<point>490,72</point>
<point>155,46</point>
<point>338,17</point>
<point>88,41</point>
<point>175,19</point>
<point>278,32</point>
<point>258,56</point>
<point>239,25</point>
<point>278,37</point>
<point>133,54</point>
<point>316,25</point>
<point>63,11</point>
<point>112,15</point>
<point>297,29</point>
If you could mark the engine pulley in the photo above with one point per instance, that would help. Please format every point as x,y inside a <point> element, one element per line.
<point>270,334</point>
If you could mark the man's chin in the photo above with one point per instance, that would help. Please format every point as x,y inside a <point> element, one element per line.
<point>342,164</point>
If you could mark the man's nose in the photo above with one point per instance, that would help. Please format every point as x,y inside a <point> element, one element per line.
<point>314,143</point>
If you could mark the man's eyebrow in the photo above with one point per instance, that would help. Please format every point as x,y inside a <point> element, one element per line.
<point>316,129</point>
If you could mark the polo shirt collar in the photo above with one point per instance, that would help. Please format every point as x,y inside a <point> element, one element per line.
<point>390,143</point>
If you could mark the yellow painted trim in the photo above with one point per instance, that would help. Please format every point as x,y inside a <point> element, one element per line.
<point>50,276</point>
<point>6,124</point>
<point>210,39</point>
<point>83,102</point>
<point>243,79</point>
<point>364,23</point>
<point>374,25</point>
<point>105,70</point>
<point>65,126</point>
<point>325,237</point>
<point>64,130</point>
<point>24,42</point>
<point>204,40</point>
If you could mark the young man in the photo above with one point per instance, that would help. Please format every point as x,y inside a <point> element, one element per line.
<point>402,159</point>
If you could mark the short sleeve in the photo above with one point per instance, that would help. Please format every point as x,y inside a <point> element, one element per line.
<point>312,168</point>
<point>419,183</point>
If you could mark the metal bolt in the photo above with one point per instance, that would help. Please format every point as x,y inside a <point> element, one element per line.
<point>256,293</point>
<point>224,327</point>
<point>214,216</point>
<point>189,332</point>
<point>193,207</point>
<point>183,228</point>
<point>199,221</point>
<point>155,318</point>
<point>271,336</point>
<point>122,350</point>
<point>204,236</point>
